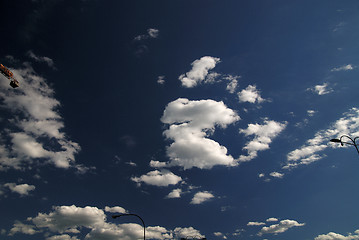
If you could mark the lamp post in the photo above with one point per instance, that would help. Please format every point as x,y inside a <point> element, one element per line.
<point>132,214</point>
<point>349,143</point>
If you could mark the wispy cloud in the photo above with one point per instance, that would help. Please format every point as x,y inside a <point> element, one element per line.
<point>199,71</point>
<point>232,83</point>
<point>281,227</point>
<point>309,152</point>
<point>34,121</point>
<point>276,174</point>
<point>321,89</point>
<point>73,220</point>
<point>151,33</point>
<point>263,136</point>
<point>255,223</point>
<point>46,60</point>
<point>190,124</point>
<point>343,68</point>
<point>161,80</point>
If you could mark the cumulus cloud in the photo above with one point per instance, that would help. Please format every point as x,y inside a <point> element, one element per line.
<point>347,67</point>
<point>272,219</point>
<point>337,236</point>
<point>46,60</point>
<point>250,94</point>
<point>281,227</point>
<point>263,136</point>
<point>232,83</point>
<point>276,174</point>
<point>162,178</point>
<point>66,222</point>
<point>176,193</point>
<point>36,132</point>
<point>199,71</point>
<point>190,123</point>
<point>115,209</point>
<point>22,189</point>
<point>321,89</point>
<point>310,152</point>
<point>201,197</point>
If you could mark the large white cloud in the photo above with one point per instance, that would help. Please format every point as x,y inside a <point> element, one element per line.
<point>199,71</point>
<point>67,222</point>
<point>34,123</point>
<point>161,178</point>
<point>190,123</point>
<point>263,136</point>
<point>281,227</point>
<point>310,152</point>
<point>337,236</point>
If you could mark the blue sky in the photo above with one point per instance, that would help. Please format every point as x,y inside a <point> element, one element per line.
<point>206,118</point>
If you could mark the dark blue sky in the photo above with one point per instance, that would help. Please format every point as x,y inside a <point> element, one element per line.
<point>206,118</point>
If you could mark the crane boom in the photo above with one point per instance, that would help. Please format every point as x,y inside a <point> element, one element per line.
<point>8,74</point>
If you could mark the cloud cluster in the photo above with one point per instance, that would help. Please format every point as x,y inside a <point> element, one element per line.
<point>190,124</point>
<point>35,125</point>
<point>309,152</point>
<point>67,222</point>
<point>337,236</point>
<point>263,136</point>
<point>199,71</point>
<point>281,227</point>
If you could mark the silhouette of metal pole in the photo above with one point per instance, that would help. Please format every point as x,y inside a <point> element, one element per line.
<point>132,214</point>
<point>353,141</point>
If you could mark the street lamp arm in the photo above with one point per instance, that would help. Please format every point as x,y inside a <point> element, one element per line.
<point>132,214</point>
<point>353,143</point>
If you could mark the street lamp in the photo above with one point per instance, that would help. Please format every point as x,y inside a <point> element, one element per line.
<point>131,214</point>
<point>349,143</point>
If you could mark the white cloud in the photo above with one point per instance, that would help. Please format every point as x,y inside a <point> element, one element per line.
<point>311,113</point>
<point>199,71</point>
<point>336,236</point>
<point>219,234</point>
<point>151,33</point>
<point>161,178</point>
<point>161,80</point>
<point>46,60</point>
<point>157,164</point>
<point>276,174</point>
<point>232,83</point>
<point>176,193</point>
<point>261,175</point>
<point>309,152</point>
<point>22,189</point>
<point>343,68</point>
<point>201,197</point>
<point>272,219</point>
<point>250,94</point>
<point>255,223</point>
<point>281,227</point>
<point>35,121</point>
<point>64,221</point>
<point>115,209</point>
<point>263,136</point>
<point>321,89</point>
<point>190,122</point>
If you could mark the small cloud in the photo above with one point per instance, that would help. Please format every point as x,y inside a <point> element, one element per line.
<point>321,89</point>
<point>115,209</point>
<point>232,83</point>
<point>46,60</point>
<point>22,189</point>
<point>311,113</point>
<point>161,80</point>
<point>157,164</point>
<point>276,174</point>
<point>343,68</point>
<point>202,197</point>
<point>281,227</point>
<point>176,193</point>
<point>250,94</point>
<point>255,223</point>
<point>261,175</point>
<point>132,164</point>
<point>162,178</point>
<point>199,71</point>
<point>151,33</point>
<point>272,220</point>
